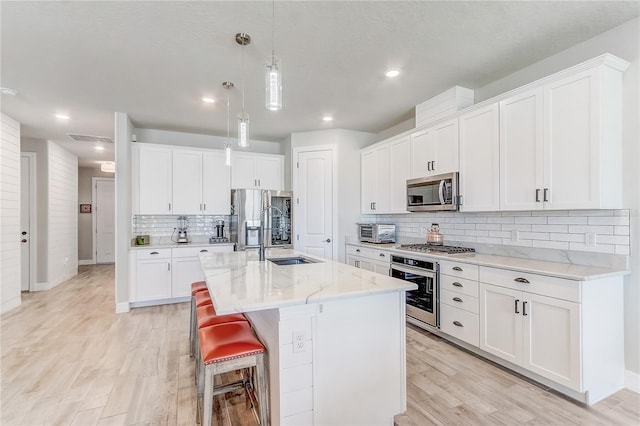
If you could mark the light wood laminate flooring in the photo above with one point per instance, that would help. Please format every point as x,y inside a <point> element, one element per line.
<point>67,358</point>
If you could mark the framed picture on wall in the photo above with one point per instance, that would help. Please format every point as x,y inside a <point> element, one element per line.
<point>85,208</point>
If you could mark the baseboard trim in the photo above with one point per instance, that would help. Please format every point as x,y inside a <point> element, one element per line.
<point>41,287</point>
<point>10,304</point>
<point>632,380</point>
<point>86,262</point>
<point>122,308</point>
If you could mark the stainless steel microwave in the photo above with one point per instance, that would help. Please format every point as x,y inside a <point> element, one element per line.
<point>433,193</point>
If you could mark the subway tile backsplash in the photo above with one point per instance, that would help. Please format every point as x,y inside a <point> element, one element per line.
<point>560,230</point>
<point>163,225</point>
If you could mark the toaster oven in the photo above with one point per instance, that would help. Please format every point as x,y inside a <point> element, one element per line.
<point>377,233</point>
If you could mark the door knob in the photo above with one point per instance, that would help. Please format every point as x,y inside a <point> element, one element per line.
<point>24,232</point>
<point>328,240</point>
<point>23,241</point>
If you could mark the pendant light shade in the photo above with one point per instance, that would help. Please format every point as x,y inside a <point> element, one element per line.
<point>243,130</point>
<point>273,72</point>
<point>227,146</point>
<point>273,84</point>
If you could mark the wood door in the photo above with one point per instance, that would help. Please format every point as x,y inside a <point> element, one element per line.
<point>501,322</point>
<point>422,153</point>
<point>521,152</point>
<point>105,212</point>
<point>446,147</point>
<point>154,180</point>
<point>216,184</point>
<point>269,172</point>
<point>480,160</point>
<point>187,182</point>
<point>571,142</point>
<point>551,339</point>
<point>368,181</point>
<point>25,223</point>
<point>313,217</point>
<point>399,158</point>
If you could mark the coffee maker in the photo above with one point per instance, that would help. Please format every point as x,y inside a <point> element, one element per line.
<point>219,237</point>
<point>183,225</point>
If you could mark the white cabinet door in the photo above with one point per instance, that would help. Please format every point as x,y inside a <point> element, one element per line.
<point>446,147</point>
<point>551,339</point>
<point>153,279</point>
<point>360,262</point>
<point>269,173</point>
<point>154,180</point>
<point>242,174</point>
<point>521,152</point>
<point>479,160</point>
<point>381,268</point>
<point>422,153</point>
<point>184,271</point>
<point>383,184</point>
<point>368,163</point>
<point>572,142</point>
<point>399,158</point>
<point>187,182</point>
<point>501,322</point>
<point>216,184</point>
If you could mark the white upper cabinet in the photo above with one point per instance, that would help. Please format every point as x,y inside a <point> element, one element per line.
<point>257,171</point>
<point>479,159</point>
<point>152,167</point>
<point>434,151</point>
<point>399,158</point>
<point>216,184</point>
<point>187,181</point>
<point>375,183</point>
<point>560,143</point>
<point>521,152</point>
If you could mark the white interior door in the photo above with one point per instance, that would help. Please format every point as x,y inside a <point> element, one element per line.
<point>105,220</point>
<point>25,232</point>
<point>314,212</point>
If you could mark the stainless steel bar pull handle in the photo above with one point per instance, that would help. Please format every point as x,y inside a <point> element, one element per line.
<point>457,299</point>
<point>429,166</point>
<point>524,309</point>
<point>537,195</point>
<point>457,284</point>
<point>545,197</point>
<point>457,268</point>
<point>433,166</point>
<point>522,280</point>
<point>168,266</point>
<point>516,306</point>
<point>458,324</point>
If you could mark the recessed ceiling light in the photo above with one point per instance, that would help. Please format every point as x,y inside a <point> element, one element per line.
<point>208,100</point>
<point>327,118</point>
<point>392,73</point>
<point>7,91</point>
<point>62,116</point>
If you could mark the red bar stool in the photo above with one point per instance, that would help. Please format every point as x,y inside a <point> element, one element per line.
<point>205,317</point>
<point>224,348</point>
<point>199,298</point>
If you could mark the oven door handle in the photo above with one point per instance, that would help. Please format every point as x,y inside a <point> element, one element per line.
<point>415,271</point>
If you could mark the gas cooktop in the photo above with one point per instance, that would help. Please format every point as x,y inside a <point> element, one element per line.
<point>435,248</point>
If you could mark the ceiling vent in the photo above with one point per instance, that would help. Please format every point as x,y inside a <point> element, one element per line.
<point>89,138</point>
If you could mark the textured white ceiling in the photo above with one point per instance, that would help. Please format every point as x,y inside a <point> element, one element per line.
<point>155,60</point>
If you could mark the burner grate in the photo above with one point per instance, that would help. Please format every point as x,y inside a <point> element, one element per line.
<point>426,248</point>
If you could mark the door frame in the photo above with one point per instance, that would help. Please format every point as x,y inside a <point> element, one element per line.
<point>33,221</point>
<point>334,190</point>
<point>94,224</point>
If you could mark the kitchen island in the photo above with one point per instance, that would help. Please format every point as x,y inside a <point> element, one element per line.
<point>335,335</point>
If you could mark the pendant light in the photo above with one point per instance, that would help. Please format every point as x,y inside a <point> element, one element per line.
<point>243,39</point>
<point>273,73</point>
<point>227,146</point>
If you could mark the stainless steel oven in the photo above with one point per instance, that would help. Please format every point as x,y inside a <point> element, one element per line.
<point>423,303</point>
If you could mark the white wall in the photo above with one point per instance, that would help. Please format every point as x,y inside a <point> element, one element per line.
<point>85,220</point>
<point>9,213</point>
<point>622,41</point>
<point>123,132</point>
<point>63,217</point>
<point>349,144</point>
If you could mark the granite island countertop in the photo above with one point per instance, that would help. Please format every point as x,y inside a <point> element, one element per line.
<point>239,282</point>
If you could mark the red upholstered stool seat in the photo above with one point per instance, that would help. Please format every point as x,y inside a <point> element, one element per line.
<point>202,298</point>
<point>206,316</point>
<point>227,347</point>
<point>198,286</point>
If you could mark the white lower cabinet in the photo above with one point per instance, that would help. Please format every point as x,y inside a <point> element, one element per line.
<point>459,301</point>
<point>369,258</point>
<point>152,275</point>
<point>537,332</point>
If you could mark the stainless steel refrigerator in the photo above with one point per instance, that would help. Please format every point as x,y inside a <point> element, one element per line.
<point>247,207</point>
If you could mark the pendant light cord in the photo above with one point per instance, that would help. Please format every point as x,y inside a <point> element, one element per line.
<point>243,72</point>
<point>273,30</point>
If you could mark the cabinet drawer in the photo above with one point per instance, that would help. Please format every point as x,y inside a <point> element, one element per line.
<point>460,301</point>
<point>360,251</point>
<point>459,285</point>
<point>559,288</point>
<point>459,269</point>
<point>153,254</point>
<point>195,251</point>
<point>381,256</point>
<point>460,324</point>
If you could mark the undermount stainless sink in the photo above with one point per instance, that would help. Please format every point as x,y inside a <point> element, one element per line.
<point>295,260</point>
